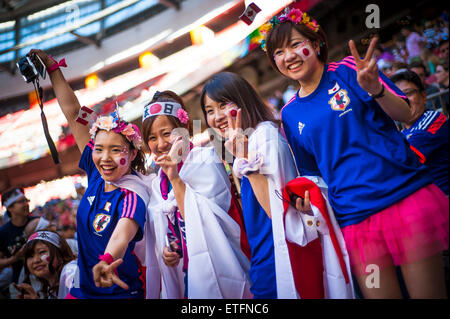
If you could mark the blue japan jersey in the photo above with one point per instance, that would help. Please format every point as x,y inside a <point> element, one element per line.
<point>428,137</point>
<point>342,134</point>
<point>260,238</point>
<point>97,217</point>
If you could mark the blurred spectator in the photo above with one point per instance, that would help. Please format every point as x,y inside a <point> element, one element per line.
<point>429,59</point>
<point>68,232</point>
<point>14,233</point>
<point>419,69</point>
<point>431,34</point>
<point>414,43</point>
<point>442,79</point>
<point>427,131</point>
<point>442,75</point>
<point>443,50</point>
<point>50,260</point>
<point>277,100</point>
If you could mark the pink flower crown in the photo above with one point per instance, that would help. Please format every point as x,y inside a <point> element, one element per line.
<point>294,15</point>
<point>114,123</point>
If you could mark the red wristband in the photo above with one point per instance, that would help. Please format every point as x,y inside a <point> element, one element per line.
<point>106,258</point>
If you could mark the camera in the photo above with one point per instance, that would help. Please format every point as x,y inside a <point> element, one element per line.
<point>31,67</point>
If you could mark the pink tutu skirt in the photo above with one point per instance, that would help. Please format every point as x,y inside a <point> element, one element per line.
<point>412,229</point>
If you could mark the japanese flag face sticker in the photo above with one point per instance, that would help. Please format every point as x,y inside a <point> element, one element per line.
<point>305,52</point>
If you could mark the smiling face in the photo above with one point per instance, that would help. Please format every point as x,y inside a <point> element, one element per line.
<point>112,155</point>
<point>297,58</point>
<point>159,138</point>
<point>38,262</point>
<point>216,114</point>
<point>20,207</point>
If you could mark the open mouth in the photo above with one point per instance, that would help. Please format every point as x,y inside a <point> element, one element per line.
<point>108,170</point>
<point>295,66</point>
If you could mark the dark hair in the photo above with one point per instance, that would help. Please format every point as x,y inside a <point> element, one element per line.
<point>442,42</point>
<point>281,33</point>
<point>63,254</point>
<point>7,194</point>
<point>417,64</point>
<point>164,96</point>
<point>231,87</point>
<point>408,76</point>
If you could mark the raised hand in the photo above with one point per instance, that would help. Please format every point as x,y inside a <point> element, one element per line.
<point>237,142</point>
<point>105,275</point>
<point>25,291</point>
<point>43,56</point>
<point>367,68</point>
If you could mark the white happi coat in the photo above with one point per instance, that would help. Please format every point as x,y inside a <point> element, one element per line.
<point>217,266</point>
<point>279,168</point>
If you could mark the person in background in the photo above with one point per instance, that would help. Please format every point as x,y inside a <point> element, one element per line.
<point>426,131</point>
<point>443,50</point>
<point>414,42</point>
<point>418,68</point>
<point>443,79</point>
<point>49,258</point>
<point>14,233</point>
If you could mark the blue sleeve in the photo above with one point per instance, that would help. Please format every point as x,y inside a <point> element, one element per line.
<point>133,207</point>
<point>427,142</point>
<point>86,163</point>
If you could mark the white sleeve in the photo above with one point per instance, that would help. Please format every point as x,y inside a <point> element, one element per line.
<point>217,266</point>
<point>69,274</point>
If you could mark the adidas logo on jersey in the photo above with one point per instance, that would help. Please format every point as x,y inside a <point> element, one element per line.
<point>300,127</point>
<point>91,199</point>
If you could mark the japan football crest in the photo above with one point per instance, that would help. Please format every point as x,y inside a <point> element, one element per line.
<point>100,222</point>
<point>339,100</point>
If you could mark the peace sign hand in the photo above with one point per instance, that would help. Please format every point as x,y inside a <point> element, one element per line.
<point>237,143</point>
<point>367,68</point>
<point>105,275</point>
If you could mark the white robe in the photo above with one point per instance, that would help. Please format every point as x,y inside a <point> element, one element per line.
<point>217,267</point>
<point>145,249</point>
<point>279,168</point>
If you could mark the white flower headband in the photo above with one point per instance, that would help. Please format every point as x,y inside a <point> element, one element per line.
<point>114,123</point>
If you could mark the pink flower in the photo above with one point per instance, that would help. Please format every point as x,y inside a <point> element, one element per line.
<point>295,15</point>
<point>182,116</point>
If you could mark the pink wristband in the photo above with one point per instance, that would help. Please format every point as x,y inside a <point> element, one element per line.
<point>56,65</point>
<point>106,258</point>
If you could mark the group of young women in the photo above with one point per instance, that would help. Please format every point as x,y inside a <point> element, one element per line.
<point>362,198</point>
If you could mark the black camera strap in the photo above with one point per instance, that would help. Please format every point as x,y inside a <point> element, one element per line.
<point>50,143</point>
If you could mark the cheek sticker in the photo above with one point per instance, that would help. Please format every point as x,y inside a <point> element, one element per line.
<point>45,258</point>
<point>305,52</point>
<point>123,161</point>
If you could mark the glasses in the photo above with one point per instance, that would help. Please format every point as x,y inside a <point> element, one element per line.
<point>410,93</point>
